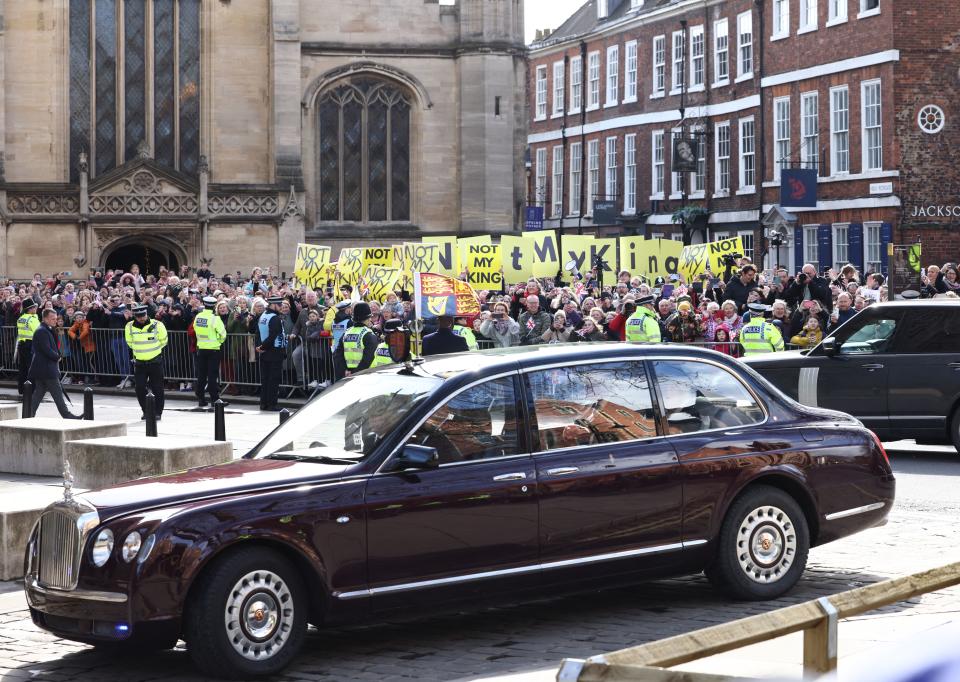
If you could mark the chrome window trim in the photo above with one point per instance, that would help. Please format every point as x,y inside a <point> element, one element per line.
<point>855,511</point>
<point>403,441</point>
<point>518,570</point>
<point>32,585</point>
<point>655,358</point>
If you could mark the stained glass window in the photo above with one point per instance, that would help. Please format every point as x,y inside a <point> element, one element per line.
<point>106,65</point>
<point>189,97</point>
<point>109,114</point>
<point>364,152</point>
<point>135,86</point>
<point>163,100</point>
<point>79,83</point>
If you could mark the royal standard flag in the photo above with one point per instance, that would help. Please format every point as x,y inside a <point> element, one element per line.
<point>438,295</point>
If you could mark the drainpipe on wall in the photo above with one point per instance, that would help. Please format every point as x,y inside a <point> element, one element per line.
<point>762,170</point>
<point>583,125</point>
<point>563,139</point>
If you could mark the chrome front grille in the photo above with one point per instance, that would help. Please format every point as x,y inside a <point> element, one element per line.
<point>63,530</point>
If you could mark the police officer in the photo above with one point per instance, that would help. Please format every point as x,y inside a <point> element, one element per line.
<point>272,350</point>
<point>146,339</point>
<point>382,356</point>
<point>466,333</point>
<point>643,326</point>
<point>211,334</point>
<point>359,343</point>
<point>759,336</point>
<point>341,323</point>
<point>27,325</point>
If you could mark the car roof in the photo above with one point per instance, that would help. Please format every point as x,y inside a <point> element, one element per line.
<point>506,359</point>
<point>918,303</point>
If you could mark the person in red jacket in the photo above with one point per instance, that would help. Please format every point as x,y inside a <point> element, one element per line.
<point>618,325</point>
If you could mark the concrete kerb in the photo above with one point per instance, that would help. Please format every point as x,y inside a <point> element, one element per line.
<point>102,462</point>
<point>36,446</point>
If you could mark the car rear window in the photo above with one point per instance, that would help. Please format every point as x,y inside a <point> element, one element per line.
<point>698,396</point>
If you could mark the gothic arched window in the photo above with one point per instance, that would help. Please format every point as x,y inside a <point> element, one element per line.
<point>134,80</point>
<point>364,132</point>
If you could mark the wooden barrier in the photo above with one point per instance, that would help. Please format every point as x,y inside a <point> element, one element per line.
<point>817,619</point>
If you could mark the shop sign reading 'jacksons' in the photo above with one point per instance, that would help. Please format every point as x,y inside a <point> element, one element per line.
<point>933,211</point>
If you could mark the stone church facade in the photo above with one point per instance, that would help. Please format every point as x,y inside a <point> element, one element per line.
<point>166,131</point>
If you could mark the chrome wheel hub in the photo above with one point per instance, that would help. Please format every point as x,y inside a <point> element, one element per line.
<point>766,544</point>
<point>259,615</point>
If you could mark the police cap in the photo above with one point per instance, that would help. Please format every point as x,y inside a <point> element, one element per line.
<point>140,310</point>
<point>393,326</point>
<point>758,308</point>
<point>29,304</point>
<point>209,302</point>
<point>646,300</point>
<point>361,312</point>
<point>275,300</point>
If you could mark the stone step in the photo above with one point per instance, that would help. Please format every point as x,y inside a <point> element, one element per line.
<point>101,462</point>
<point>35,446</point>
<point>9,411</point>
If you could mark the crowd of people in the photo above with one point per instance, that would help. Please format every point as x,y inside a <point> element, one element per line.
<point>712,310</point>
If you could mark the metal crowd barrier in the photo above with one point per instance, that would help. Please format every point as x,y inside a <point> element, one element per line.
<point>103,357</point>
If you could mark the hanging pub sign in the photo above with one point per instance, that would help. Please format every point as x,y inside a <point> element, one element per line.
<point>798,188</point>
<point>685,155</point>
<point>905,271</point>
<point>605,212</point>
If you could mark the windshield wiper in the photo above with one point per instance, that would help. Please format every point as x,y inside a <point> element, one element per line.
<point>325,459</point>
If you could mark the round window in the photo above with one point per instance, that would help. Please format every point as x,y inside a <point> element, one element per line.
<point>931,119</point>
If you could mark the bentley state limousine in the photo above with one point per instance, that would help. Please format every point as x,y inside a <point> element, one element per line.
<point>461,480</point>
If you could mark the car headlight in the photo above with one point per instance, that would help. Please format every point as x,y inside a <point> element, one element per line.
<point>102,547</point>
<point>130,546</point>
<point>147,548</point>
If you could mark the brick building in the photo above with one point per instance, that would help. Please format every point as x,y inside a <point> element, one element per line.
<point>859,90</point>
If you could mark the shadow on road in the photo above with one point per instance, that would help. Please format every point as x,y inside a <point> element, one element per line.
<point>496,641</point>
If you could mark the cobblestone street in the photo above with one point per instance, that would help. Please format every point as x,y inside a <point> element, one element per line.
<point>528,641</point>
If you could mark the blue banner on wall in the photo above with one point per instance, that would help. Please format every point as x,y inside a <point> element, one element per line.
<point>533,218</point>
<point>798,188</point>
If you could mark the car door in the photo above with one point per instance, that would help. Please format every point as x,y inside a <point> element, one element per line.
<point>609,486</point>
<point>712,420</point>
<point>854,379</point>
<point>924,380</point>
<point>467,526</point>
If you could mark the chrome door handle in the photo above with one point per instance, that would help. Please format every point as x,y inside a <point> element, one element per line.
<point>954,364</point>
<point>871,366</point>
<point>562,471</point>
<point>518,476</point>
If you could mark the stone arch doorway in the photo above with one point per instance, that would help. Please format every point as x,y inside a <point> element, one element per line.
<point>149,253</point>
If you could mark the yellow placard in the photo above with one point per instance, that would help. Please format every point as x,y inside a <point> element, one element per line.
<point>721,248</point>
<point>421,257</point>
<point>483,266</point>
<point>310,265</point>
<point>697,258</point>
<point>380,281</point>
<point>350,266</point>
<point>545,253</point>
<point>448,260</point>
<point>377,255</point>
<point>584,250</point>
<point>516,254</point>
<point>463,245</point>
<point>649,258</point>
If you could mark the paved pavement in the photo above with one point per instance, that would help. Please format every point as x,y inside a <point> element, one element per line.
<point>524,643</point>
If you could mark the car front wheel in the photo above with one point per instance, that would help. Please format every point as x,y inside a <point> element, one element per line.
<point>247,616</point>
<point>763,545</point>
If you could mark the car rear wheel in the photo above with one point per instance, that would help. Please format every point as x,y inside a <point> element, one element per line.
<point>247,616</point>
<point>763,545</point>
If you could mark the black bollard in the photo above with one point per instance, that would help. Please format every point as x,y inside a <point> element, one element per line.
<point>25,410</point>
<point>219,421</point>
<point>284,415</point>
<point>88,404</point>
<point>150,411</point>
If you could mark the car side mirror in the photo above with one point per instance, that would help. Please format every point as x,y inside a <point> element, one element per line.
<point>416,457</point>
<point>829,346</point>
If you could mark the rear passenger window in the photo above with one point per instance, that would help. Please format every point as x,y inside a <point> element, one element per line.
<point>590,404</point>
<point>698,397</point>
<point>930,331</point>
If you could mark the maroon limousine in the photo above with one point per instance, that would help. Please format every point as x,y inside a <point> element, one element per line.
<point>463,479</point>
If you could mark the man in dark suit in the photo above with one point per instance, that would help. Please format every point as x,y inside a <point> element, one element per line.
<point>45,367</point>
<point>444,340</point>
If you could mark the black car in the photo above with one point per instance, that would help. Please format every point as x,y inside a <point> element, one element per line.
<point>895,366</point>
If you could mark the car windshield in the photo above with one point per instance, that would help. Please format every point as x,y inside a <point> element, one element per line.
<point>347,421</point>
